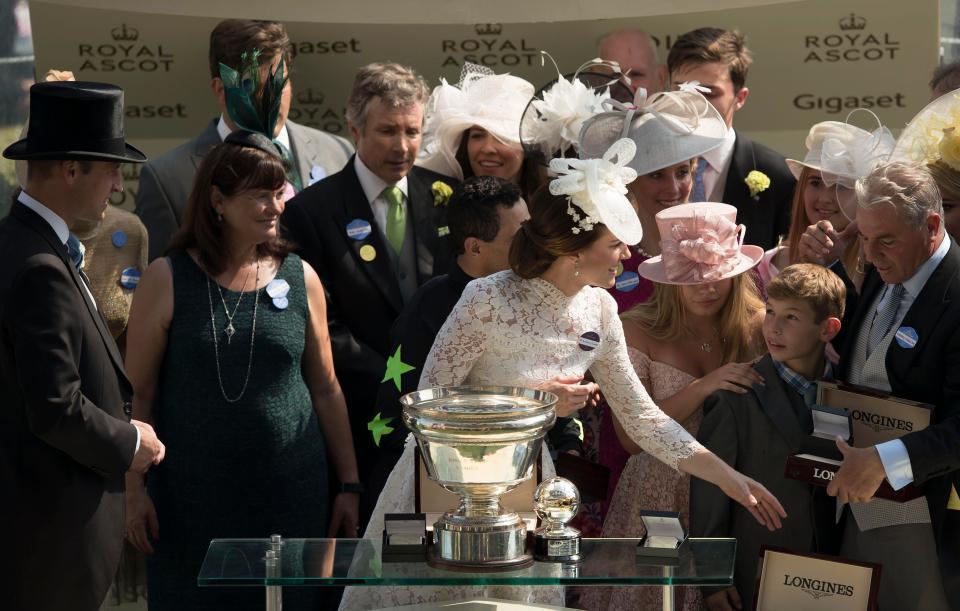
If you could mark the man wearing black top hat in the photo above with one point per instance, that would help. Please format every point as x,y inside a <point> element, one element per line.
<point>66,438</point>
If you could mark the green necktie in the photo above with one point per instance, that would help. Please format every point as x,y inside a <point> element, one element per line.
<point>396,217</point>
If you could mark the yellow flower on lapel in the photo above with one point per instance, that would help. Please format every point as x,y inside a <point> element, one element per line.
<point>757,182</point>
<point>441,193</point>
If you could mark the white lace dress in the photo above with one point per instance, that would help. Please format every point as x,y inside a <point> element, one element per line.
<point>509,331</point>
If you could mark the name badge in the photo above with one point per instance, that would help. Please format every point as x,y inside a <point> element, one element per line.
<point>277,288</point>
<point>358,229</point>
<point>627,281</point>
<point>130,278</point>
<point>589,340</point>
<point>907,337</point>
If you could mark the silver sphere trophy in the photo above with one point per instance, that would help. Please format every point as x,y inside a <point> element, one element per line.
<point>479,442</point>
<point>556,501</point>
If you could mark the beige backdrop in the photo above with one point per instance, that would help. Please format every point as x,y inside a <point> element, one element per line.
<point>814,60</point>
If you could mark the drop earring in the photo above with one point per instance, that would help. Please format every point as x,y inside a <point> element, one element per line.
<point>219,217</point>
<point>576,268</point>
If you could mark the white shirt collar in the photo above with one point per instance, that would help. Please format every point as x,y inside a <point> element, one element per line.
<point>56,223</point>
<point>719,158</point>
<point>372,184</point>
<point>919,278</point>
<point>283,137</point>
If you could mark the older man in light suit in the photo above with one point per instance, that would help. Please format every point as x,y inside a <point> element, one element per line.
<point>165,182</point>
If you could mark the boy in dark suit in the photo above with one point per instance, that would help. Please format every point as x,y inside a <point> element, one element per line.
<point>757,431</point>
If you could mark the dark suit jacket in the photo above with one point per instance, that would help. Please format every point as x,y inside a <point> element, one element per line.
<point>928,372</point>
<point>767,216</point>
<point>166,181</point>
<point>363,297</point>
<point>65,437</point>
<point>755,433</point>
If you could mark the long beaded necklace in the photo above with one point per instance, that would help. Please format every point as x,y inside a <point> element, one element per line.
<point>229,332</point>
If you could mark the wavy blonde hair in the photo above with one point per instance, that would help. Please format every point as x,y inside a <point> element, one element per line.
<point>664,318</point>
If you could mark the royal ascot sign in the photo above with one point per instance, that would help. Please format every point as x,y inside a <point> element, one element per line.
<point>813,60</point>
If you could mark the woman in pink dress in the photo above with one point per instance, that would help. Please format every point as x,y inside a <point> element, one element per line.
<point>697,334</point>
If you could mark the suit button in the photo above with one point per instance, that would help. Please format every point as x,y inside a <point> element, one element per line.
<point>127,408</point>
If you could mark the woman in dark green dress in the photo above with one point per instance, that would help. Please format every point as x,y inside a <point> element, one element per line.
<point>229,355</point>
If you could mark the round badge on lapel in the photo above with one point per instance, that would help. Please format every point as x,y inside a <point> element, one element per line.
<point>119,238</point>
<point>358,229</point>
<point>907,337</point>
<point>589,340</point>
<point>130,278</point>
<point>368,253</point>
<point>627,281</point>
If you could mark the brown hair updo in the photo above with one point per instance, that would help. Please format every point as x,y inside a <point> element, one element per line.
<point>547,235</point>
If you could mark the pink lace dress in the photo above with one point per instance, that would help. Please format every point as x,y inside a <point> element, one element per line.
<point>647,483</point>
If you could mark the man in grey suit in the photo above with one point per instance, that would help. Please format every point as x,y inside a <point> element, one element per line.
<point>166,181</point>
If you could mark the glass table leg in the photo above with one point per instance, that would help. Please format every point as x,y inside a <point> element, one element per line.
<point>668,602</point>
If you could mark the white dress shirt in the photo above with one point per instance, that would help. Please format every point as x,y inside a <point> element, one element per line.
<point>373,187</point>
<point>893,453</point>
<point>718,166</point>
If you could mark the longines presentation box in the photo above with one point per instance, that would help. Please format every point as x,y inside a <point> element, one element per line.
<point>790,581</point>
<point>875,417</point>
<point>434,500</point>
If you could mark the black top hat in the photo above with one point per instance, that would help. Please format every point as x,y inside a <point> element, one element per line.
<point>75,120</point>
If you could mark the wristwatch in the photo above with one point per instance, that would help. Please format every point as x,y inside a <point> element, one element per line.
<point>351,488</point>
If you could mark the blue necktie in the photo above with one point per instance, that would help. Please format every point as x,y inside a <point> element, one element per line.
<point>699,193</point>
<point>75,252</point>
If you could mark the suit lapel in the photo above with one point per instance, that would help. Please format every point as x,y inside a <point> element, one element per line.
<point>208,139</point>
<point>301,145</point>
<point>39,225</point>
<point>355,206</point>
<point>778,406</point>
<point>925,312</point>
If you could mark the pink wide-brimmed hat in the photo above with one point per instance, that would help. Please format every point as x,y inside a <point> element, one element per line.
<point>699,243</point>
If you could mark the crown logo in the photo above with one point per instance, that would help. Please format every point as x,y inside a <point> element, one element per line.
<point>488,29</point>
<point>309,98</point>
<point>125,33</point>
<point>853,22</point>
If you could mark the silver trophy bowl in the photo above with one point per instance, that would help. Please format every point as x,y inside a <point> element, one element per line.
<point>479,442</point>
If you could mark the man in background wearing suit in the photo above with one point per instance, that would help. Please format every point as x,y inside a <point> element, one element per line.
<point>166,181</point>
<point>375,232</point>
<point>905,340</point>
<point>66,438</point>
<point>718,60</point>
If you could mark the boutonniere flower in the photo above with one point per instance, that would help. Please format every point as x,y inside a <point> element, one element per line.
<point>757,182</point>
<point>441,193</point>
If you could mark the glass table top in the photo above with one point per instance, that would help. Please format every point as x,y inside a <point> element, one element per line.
<point>357,562</point>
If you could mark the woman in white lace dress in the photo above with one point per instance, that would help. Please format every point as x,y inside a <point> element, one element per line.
<point>549,316</point>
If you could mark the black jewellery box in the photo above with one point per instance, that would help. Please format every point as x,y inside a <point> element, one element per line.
<point>819,458</point>
<point>665,539</point>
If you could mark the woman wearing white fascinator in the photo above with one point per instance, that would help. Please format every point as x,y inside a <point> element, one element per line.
<point>824,201</point>
<point>473,128</point>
